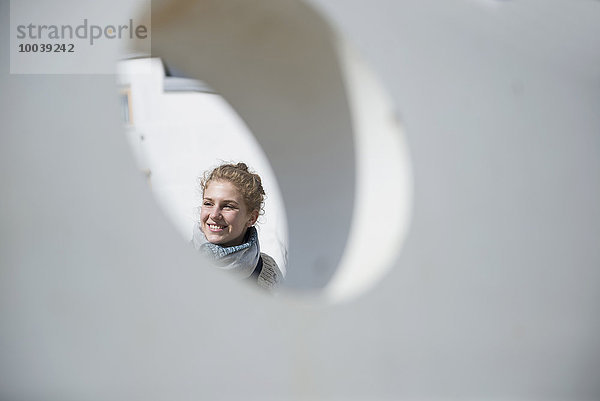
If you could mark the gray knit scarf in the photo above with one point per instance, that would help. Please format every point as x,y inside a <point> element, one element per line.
<point>240,260</point>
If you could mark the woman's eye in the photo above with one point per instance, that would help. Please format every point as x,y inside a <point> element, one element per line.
<point>206,204</point>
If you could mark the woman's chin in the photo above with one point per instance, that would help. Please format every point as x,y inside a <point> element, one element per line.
<point>215,238</point>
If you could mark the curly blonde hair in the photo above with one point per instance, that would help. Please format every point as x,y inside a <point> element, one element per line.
<point>248,183</point>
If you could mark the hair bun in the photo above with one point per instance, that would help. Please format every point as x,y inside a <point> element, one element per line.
<point>241,166</point>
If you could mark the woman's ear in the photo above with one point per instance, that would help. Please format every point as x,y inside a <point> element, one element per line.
<point>253,218</point>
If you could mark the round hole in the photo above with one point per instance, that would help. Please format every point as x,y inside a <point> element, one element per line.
<point>329,133</point>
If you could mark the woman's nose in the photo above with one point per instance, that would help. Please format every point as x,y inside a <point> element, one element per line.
<point>215,213</point>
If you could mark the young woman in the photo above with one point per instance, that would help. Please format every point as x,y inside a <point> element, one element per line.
<point>232,200</point>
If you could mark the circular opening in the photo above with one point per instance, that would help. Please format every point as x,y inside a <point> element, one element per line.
<point>318,116</point>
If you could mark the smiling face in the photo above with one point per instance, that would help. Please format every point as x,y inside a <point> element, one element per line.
<point>224,216</point>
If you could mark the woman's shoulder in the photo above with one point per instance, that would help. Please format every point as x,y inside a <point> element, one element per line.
<point>270,275</point>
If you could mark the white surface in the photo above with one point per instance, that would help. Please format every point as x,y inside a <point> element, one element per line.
<point>384,176</point>
<point>495,295</point>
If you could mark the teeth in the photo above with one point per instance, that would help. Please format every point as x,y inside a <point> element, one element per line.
<point>215,227</point>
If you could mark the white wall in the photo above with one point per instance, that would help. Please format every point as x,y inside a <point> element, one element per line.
<point>495,294</point>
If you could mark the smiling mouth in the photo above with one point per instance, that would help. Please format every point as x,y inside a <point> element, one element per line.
<point>215,227</point>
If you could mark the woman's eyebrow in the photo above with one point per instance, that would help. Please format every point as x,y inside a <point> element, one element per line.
<point>222,201</point>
